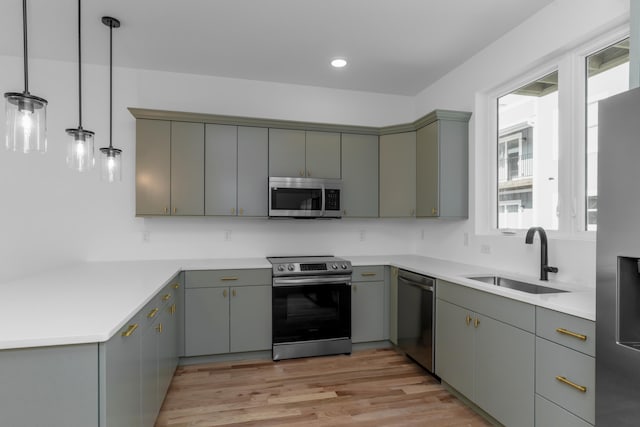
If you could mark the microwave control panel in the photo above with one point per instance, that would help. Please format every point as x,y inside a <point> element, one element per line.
<point>332,200</point>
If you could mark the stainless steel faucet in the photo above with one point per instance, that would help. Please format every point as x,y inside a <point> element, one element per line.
<point>544,257</point>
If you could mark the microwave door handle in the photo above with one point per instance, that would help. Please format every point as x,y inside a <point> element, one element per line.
<point>323,201</point>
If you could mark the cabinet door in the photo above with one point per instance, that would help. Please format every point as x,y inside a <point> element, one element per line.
<point>153,167</point>
<point>323,154</point>
<point>359,175</point>
<point>120,378</point>
<point>427,171</point>
<point>367,311</point>
<point>187,168</point>
<point>250,321</point>
<point>221,173</point>
<point>286,152</point>
<point>206,321</point>
<point>504,366</point>
<point>149,366</point>
<point>455,354</point>
<point>398,175</point>
<point>253,171</point>
<point>167,349</point>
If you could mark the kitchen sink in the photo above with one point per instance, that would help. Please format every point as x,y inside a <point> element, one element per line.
<point>529,288</point>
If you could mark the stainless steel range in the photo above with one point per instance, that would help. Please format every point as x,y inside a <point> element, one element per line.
<point>311,306</point>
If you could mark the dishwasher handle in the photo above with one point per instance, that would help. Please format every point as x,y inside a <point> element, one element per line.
<point>423,282</point>
<point>419,285</point>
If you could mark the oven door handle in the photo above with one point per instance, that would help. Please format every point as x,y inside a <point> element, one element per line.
<point>333,280</point>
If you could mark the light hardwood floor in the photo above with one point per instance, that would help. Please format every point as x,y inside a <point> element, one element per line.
<point>368,388</point>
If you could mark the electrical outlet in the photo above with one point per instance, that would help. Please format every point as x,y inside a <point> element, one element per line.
<point>227,235</point>
<point>485,249</point>
<point>363,235</point>
<point>146,236</point>
<point>465,238</point>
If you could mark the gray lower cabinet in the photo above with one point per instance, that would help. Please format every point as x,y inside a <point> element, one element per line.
<point>485,348</point>
<point>398,175</point>
<point>52,386</point>
<point>368,304</point>
<point>442,164</point>
<point>359,175</point>
<point>221,318</point>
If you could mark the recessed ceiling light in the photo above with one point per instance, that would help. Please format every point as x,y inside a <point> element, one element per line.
<point>338,62</point>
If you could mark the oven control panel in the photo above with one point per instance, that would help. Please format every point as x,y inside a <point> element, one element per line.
<point>310,266</point>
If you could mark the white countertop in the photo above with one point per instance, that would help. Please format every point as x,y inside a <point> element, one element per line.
<point>90,302</point>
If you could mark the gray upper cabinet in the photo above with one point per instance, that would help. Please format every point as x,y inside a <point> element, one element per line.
<point>360,175</point>
<point>253,171</point>
<point>398,175</point>
<point>442,163</point>
<point>287,152</point>
<point>236,170</point>
<point>221,169</point>
<point>298,153</point>
<point>187,168</point>
<point>323,154</point>
<point>153,167</point>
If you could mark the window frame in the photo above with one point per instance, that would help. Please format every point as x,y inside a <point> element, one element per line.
<point>572,153</point>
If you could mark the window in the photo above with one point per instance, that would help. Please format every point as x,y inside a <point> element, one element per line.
<point>607,74</point>
<point>528,155</point>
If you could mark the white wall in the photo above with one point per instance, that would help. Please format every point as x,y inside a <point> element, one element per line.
<point>52,216</point>
<point>554,30</point>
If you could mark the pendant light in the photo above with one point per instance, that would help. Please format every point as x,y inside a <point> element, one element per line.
<point>26,114</point>
<point>111,157</point>
<point>80,153</point>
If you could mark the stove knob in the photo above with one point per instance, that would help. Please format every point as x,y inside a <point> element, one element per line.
<point>290,267</point>
<point>334,266</point>
<point>281,268</point>
<point>344,266</point>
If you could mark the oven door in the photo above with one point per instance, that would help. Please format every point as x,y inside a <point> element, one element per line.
<point>311,308</point>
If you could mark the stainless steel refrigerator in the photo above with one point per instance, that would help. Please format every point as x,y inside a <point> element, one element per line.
<point>618,267</point>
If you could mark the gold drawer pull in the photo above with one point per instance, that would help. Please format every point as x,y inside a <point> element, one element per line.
<point>233,292</point>
<point>571,334</point>
<point>476,322</point>
<point>152,313</point>
<point>468,319</point>
<point>224,293</point>
<point>228,278</point>
<point>130,330</point>
<point>564,380</point>
<point>367,274</point>
<point>166,297</point>
<point>434,211</point>
<point>176,286</point>
<point>172,310</point>
<point>159,328</point>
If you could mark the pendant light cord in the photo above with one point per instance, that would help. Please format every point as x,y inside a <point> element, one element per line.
<point>79,65</point>
<point>111,86</point>
<point>24,37</point>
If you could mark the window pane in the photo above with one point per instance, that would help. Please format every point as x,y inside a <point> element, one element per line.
<point>607,75</point>
<point>527,152</point>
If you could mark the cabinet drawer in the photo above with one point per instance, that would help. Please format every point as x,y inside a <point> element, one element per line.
<point>570,331</point>
<point>553,361</point>
<point>217,278</point>
<point>515,313</point>
<point>550,414</point>
<point>372,273</point>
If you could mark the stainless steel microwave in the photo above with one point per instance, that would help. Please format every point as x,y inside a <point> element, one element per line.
<point>305,197</point>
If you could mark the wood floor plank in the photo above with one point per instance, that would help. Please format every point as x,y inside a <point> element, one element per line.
<point>366,389</point>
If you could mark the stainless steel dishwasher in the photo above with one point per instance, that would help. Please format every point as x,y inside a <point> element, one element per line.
<point>416,317</point>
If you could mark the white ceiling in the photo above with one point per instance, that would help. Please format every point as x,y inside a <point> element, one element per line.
<point>393,46</point>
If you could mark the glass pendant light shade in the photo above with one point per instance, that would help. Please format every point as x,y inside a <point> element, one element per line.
<point>80,151</point>
<point>111,159</point>
<point>26,114</point>
<point>26,119</point>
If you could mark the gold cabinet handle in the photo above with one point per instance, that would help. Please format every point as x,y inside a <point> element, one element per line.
<point>344,212</point>
<point>159,328</point>
<point>367,274</point>
<point>476,322</point>
<point>166,210</point>
<point>233,211</point>
<point>175,210</point>
<point>241,211</point>
<point>571,334</point>
<point>172,310</point>
<point>152,313</point>
<point>578,387</point>
<point>130,330</point>
<point>233,292</point>
<point>434,211</point>
<point>301,172</point>
<point>176,286</point>
<point>355,288</point>
<point>228,278</point>
<point>468,320</point>
<point>166,297</point>
<point>309,172</point>
<point>224,293</point>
